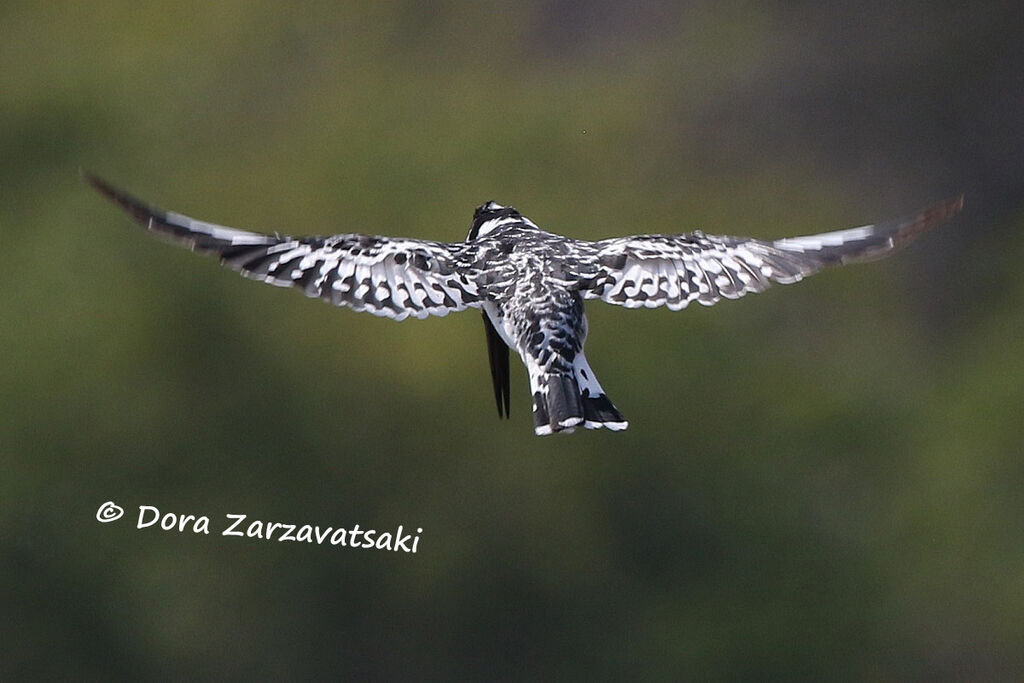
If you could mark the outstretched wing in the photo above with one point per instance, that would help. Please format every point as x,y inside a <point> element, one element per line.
<point>385,276</point>
<point>673,270</point>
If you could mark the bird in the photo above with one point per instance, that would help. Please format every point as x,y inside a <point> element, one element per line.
<point>529,284</point>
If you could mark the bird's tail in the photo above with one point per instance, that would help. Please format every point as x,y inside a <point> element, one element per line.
<point>563,401</point>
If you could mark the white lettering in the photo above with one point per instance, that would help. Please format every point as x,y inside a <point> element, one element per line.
<point>230,531</point>
<point>142,513</point>
<point>170,521</point>
<point>354,537</point>
<point>415,542</point>
<point>400,540</point>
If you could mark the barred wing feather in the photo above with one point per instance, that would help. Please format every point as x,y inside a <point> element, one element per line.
<point>386,276</point>
<point>675,270</point>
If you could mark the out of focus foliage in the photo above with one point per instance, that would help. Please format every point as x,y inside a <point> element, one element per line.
<point>820,482</point>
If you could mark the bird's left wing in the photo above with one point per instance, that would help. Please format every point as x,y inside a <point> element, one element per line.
<point>674,270</point>
<point>386,276</point>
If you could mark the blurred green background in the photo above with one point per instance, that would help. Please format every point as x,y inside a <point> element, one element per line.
<point>820,482</point>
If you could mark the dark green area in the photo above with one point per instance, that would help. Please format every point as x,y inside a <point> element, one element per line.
<point>822,482</point>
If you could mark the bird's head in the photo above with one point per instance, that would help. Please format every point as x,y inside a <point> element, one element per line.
<point>489,216</point>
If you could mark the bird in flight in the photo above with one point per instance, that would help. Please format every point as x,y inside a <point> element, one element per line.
<point>530,284</point>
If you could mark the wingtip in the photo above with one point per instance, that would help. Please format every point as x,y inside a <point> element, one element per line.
<point>103,187</point>
<point>941,212</point>
<point>951,206</point>
<point>97,183</point>
<point>927,219</point>
<point>136,208</point>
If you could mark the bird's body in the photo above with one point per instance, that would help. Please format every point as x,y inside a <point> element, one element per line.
<point>533,304</point>
<point>530,284</point>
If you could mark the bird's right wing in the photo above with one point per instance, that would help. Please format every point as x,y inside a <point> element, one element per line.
<point>386,276</point>
<point>674,270</point>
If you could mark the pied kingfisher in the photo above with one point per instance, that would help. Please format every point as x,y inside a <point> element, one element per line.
<point>529,283</point>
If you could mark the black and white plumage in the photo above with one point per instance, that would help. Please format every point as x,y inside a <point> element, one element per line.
<point>529,283</point>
